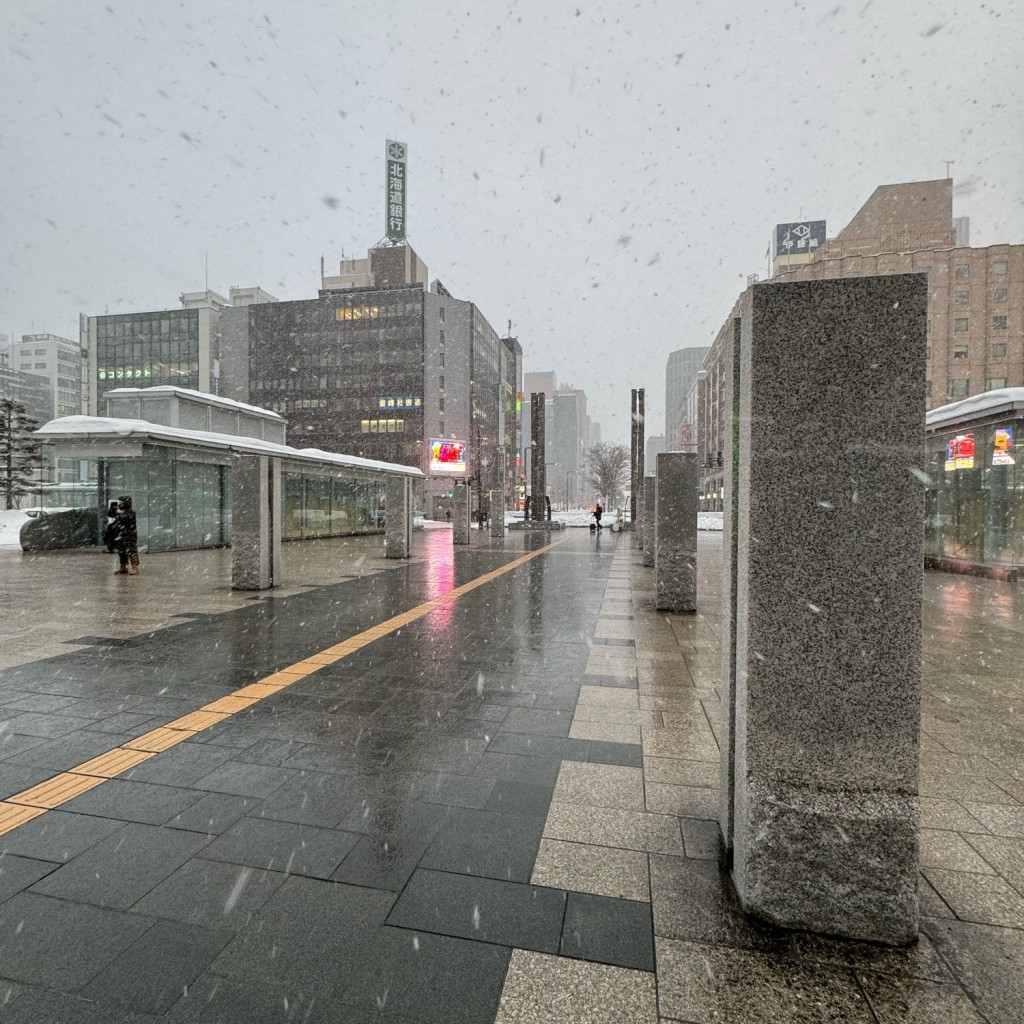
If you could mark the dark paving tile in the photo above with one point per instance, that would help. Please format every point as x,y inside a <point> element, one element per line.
<point>11,744</point>
<point>433,978</point>
<point>33,723</point>
<point>920,961</point>
<point>313,798</point>
<point>18,873</point>
<point>537,722</point>
<point>16,777</point>
<point>24,1004</point>
<point>61,754</point>
<point>245,779</point>
<point>151,975</point>
<point>541,746</point>
<point>36,702</point>
<point>485,843</point>
<point>121,869</point>
<point>628,754</point>
<point>311,935</point>
<point>59,943</point>
<point>214,813</point>
<point>181,765</point>
<point>482,909</point>
<point>216,1000</point>
<point>520,797</point>
<point>388,818</point>
<point>381,863</point>
<point>282,846</point>
<point>622,682</point>
<point>57,836</point>
<point>519,768</point>
<point>126,723</point>
<point>610,931</point>
<point>211,893</point>
<point>451,790</point>
<point>134,801</point>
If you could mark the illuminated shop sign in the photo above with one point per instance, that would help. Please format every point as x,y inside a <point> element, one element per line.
<point>960,452</point>
<point>447,456</point>
<point>396,155</point>
<point>125,373</point>
<point>1002,447</point>
<point>357,313</point>
<point>399,403</point>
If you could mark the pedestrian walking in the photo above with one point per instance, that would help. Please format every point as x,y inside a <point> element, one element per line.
<point>125,534</point>
<point>598,512</point>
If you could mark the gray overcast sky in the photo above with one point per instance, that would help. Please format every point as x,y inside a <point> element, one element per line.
<point>604,175</point>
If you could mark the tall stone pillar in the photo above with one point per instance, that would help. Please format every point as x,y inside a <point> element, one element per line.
<point>634,483</point>
<point>639,512</point>
<point>538,474</point>
<point>829,550</point>
<point>674,515</point>
<point>647,524</point>
<point>497,503</point>
<point>255,522</point>
<point>398,517</point>
<point>460,514</point>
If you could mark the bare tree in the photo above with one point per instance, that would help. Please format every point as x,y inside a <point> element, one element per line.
<point>19,452</point>
<point>609,464</point>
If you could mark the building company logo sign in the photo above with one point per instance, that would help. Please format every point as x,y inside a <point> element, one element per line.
<point>802,237</point>
<point>395,185</point>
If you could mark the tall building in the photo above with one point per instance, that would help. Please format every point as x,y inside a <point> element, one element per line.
<point>568,445</point>
<point>680,373</point>
<point>380,366</point>
<point>656,445</point>
<point>27,389</point>
<point>179,347</point>
<point>976,295</point>
<point>60,361</point>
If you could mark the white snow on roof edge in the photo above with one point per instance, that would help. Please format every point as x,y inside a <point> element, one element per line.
<point>103,427</point>
<point>989,402</point>
<point>190,393</point>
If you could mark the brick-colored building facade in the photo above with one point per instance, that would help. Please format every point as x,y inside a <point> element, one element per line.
<point>975,312</point>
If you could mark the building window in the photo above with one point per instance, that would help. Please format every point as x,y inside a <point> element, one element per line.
<point>960,324</point>
<point>963,270</point>
<point>442,358</point>
<point>956,389</point>
<point>441,338</point>
<point>382,426</point>
<point>995,382</point>
<point>42,366</point>
<point>440,404</point>
<point>961,298</point>
<point>999,350</point>
<point>441,382</point>
<point>440,313</point>
<point>999,323</point>
<point>999,267</point>
<point>959,351</point>
<point>999,295</point>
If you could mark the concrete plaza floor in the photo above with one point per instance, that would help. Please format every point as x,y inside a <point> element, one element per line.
<point>479,785</point>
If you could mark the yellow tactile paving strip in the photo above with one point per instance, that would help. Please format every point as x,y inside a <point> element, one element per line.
<point>30,803</point>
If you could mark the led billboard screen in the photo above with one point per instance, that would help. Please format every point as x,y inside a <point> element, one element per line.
<point>447,456</point>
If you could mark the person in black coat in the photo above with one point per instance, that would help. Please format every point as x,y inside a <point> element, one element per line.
<point>598,512</point>
<point>108,529</point>
<point>126,537</point>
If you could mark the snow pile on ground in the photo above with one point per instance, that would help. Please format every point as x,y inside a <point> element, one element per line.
<point>573,517</point>
<point>709,521</point>
<point>11,523</point>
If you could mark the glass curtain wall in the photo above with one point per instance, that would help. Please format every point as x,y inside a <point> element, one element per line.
<point>975,498</point>
<point>323,506</point>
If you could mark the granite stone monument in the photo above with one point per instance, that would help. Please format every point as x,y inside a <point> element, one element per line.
<point>674,525</point>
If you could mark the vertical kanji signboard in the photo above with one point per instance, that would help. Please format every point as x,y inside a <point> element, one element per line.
<point>395,160</point>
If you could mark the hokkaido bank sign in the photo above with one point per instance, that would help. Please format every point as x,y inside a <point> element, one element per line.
<point>395,189</point>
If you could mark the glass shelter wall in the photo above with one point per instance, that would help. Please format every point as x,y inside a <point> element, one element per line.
<point>975,499</point>
<point>332,506</point>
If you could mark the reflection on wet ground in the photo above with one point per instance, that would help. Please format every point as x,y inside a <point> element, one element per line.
<point>498,805</point>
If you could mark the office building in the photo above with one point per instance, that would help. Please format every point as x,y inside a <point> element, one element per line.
<point>27,389</point>
<point>169,347</point>
<point>60,361</point>
<point>680,373</point>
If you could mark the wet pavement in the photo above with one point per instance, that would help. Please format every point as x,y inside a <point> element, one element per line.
<point>476,786</point>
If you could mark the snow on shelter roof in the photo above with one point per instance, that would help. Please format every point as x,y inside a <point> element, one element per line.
<point>105,428</point>
<point>989,403</point>
<point>168,390</point>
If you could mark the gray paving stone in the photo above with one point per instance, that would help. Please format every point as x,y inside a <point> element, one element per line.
<point>311,935</point>
<point>482,909</point>
<point>61,944</point>
<point>519,768</point>
<point>434,978</point>
<point>983,899</point>
<point>51,726</point>
<point>133,801</point>
<point>918,1002</point>
<point>182,765</point>
<point>245,779</point>
<point>214,813</point>
<point>18,873</point>
<point>57,836</point>
<point>381,863</point>
<point>610,931</point>
<point>211,893</point>
<point>282,846</point>
<point>217,1000</point>
<point>151,975</point>
<point>541,746</point>
<point>25,1004</point>
<point>122,868</point>
<point>486,843</point>
<point>519,797</point>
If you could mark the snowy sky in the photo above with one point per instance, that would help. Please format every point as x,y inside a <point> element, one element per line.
<point>604,175</point>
